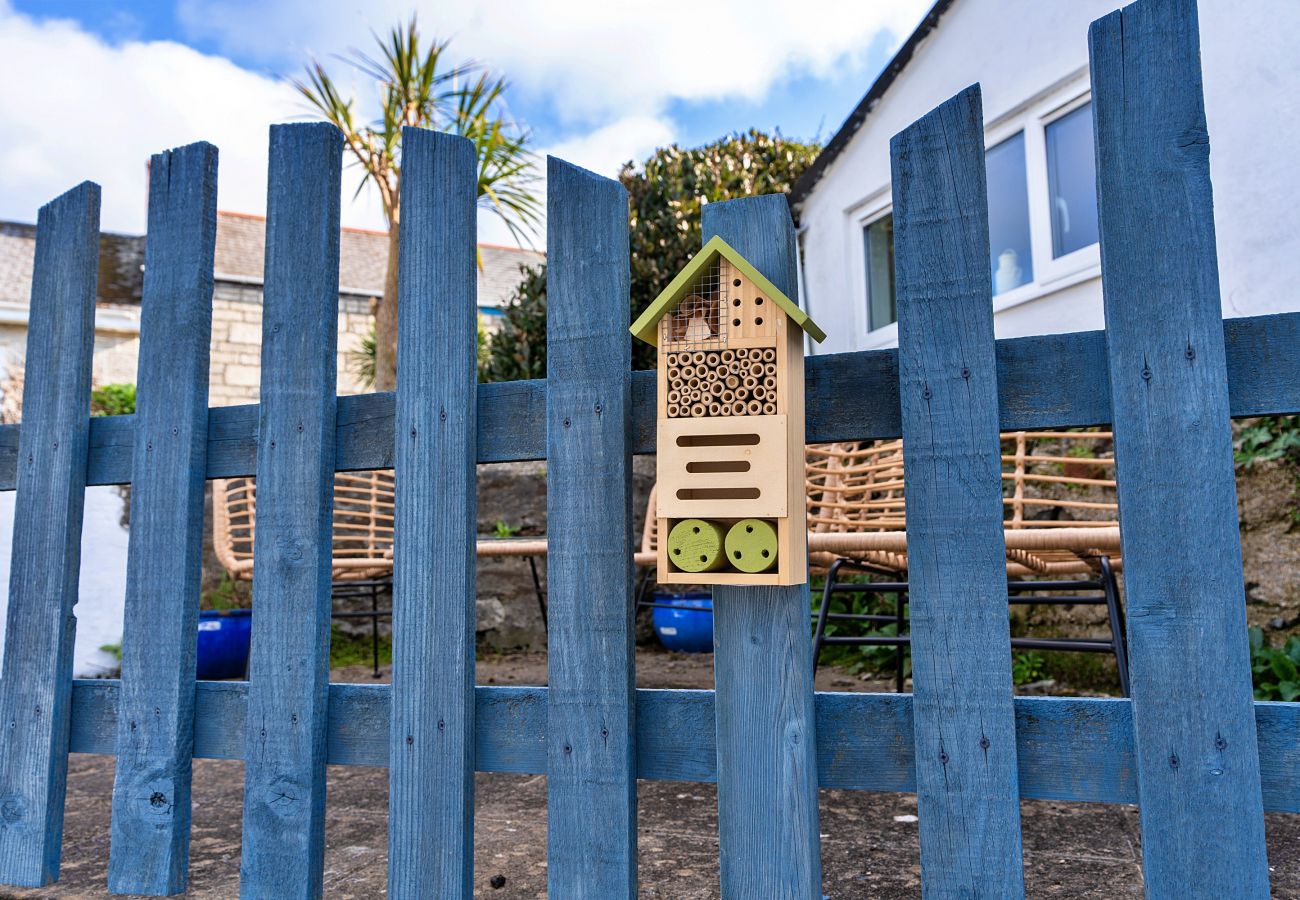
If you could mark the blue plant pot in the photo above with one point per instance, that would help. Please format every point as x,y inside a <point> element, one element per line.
<point>688,627</point>
<point>223,643</point>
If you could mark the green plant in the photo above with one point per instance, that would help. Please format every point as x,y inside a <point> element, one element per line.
<point>228,594</point>
<point>1027,667</point>
<point>356,650</point>
<point>418,89</point>
<point>114,650</point>
<point>1274,669</point>
<point>361,360</point>
<point>113,400</point>
<point>502,530</point>
<point>876,660</point>
<point>665,196</point>
<point>1267,438</point>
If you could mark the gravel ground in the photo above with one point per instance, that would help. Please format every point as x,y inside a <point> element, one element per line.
<point>869,841</point>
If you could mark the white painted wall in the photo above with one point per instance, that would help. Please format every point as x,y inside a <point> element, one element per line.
<point>102,588</point>
<point>1028,55</point>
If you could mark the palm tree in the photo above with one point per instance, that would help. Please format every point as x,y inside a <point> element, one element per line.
<point>417,89</point>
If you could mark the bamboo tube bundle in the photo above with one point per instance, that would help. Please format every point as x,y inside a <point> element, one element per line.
<point>769,356</point>
<point>674,411</point>
<point>749,383</point>
<point>697,358</point>
<point>754,408</point>
<point>674,375</point>
<point>732,381</point>
<point>769,408</point>
<point>770,370</point>
<point>724,371</point>
<point>715,408</point>
<point>728,357</point>
<point>769,382</point>
<point>756,370</point>
<point>759,393</point>
<point>716,388</point>
<point>698,410</point>
<point>738,408</point>
<point>728,397</point>
<point>674,396</point>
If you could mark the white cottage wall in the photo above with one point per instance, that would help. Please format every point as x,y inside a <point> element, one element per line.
<point>1026,52</point>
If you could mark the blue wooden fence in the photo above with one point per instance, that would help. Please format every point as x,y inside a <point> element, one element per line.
<point>1201,759</point>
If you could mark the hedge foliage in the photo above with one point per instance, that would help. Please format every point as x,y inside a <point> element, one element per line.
<point>665,197</point>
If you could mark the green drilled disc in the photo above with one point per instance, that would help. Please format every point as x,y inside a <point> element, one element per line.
<point>695,545</point>
<point>751,545</point>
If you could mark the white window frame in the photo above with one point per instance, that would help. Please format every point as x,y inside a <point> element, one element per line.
<point>1050,275</point>
<point>871,209</point>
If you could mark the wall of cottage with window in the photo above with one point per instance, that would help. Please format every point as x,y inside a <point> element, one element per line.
<point>1044,259</point>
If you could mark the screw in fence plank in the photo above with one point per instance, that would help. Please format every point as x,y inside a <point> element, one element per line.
<point>45,563</point>
<point>431,756</point>
<point>1198,767</point>
<point>284,764</point>
<point>155,727</point>
<point>591,762</point>
<point>967,793</point>
<point>767,764</point>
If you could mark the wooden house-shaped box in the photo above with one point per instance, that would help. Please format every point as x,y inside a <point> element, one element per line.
<point>730,447</point>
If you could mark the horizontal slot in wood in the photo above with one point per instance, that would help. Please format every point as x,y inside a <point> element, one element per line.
<point>737,493</point>
<point>709,466</point>
<point>717,440</point>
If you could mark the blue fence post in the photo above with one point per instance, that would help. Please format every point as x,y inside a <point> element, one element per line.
<point>762,667</point>
<point>968,794</point>
<point>431,756</point>
<point>1193,719</point>
<point>45,563</point>
<point>155,718</point>
<point>284,763</point>
<point>591,722</point>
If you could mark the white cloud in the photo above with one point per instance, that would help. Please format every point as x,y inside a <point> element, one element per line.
<point>593,58</point>
<point>103,109</point>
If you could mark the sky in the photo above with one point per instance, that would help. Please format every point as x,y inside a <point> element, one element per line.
<point>96,86</point>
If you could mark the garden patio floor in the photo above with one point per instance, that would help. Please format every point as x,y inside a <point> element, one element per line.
<point>1071,849</point>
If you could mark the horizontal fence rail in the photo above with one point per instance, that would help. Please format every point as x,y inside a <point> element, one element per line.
<point>1046,381</point>
<point>1068,748</point>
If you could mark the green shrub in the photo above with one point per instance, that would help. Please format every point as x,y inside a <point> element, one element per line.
<point>1027,667</point>
<point>1274,669</point>
<point>113,400</point>
<point>874,660</point>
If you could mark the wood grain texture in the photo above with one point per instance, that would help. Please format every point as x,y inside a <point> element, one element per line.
<point>155,735</point>
<point>45,560</point>
<point>1046,381</point>
<point>1198,764</point>
<point>431,755</point>
<point>967,796</point>
<point>766,740</point>
<point>284,769</point>
<point>591,722</point>
<point>1068,748</point>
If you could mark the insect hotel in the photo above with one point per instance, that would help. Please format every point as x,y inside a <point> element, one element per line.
<point>730,447</point>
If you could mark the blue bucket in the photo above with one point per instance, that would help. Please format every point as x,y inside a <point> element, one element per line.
<point>223,643</point>
<point>688,627</point>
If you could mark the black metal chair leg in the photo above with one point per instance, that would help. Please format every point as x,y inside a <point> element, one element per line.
<point>541,595</point>
<point>1118,627</point>
<point>819,634</point>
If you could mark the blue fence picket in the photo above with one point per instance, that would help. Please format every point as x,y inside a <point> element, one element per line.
<point>284,767</point>
<point>155,728</point>
<point>591,759</point>
<point>762,668</point>
<point>36,684</point>
<point>967,795</point>
<point>431,788</point>
<point>1197,760</point>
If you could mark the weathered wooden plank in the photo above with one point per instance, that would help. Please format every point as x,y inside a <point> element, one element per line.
<point>284,768</point>
<point>431,755</point>
<point>155,735</point>
<point>967,796</point>
<point>46,556</point>
<point>1198,764</point>
<point>767,767</point>
<point>1047,381</point>
<point>1068,748</point>
<point>591,751</point>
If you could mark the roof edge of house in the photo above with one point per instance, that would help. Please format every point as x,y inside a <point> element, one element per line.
<point>814,173</point>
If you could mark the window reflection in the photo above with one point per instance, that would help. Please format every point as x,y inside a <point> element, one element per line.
<point>878,246</point>
<point>1011,263</point>
<point>1072,181</point>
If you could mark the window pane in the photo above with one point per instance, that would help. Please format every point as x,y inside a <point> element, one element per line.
<point>878,242</point>
<point>1072,181</point>
<point>1012,265</point>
